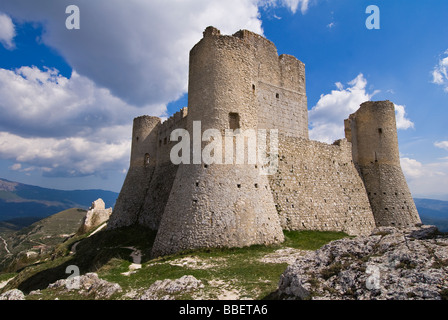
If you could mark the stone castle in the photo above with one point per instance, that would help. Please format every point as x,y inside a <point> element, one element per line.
<point>240,82</point>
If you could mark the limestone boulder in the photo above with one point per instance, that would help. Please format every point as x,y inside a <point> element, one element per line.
<point>390,264</point>
<point>13,295</point>
<point>96,215</point>
<point>88,285</point>
<point>165,289</point>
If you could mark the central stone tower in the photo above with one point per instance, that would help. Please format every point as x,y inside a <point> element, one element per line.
<point>235,82</point>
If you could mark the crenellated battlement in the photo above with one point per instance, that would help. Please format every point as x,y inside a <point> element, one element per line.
<point>174,121</point>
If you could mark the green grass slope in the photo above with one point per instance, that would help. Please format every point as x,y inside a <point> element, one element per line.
<point>41,236</point>
<point>227,273</point>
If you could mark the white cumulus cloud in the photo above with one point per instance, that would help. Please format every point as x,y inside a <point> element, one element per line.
<point>442,145</point>
<point>128,58</point>
<point>440,72</point>
<point>63,157</point>
<point>44,103</point>
<point>7,31</point>
<point>425,180</point>
<point>403,123</point>
<point>292,5</point>
<point>327,116</point>
<point>138,49</point>
<point>61,126</point>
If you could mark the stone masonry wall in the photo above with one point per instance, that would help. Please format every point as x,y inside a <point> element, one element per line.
<point>217,206</point>
<point>388,196</point>
<point>279,86</point>
<point>282,109</point>
<point>317,187</point>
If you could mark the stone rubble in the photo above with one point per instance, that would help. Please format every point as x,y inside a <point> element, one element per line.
<point>88,284</point>
<point>12,295</point>
<point>390,264</point>
<point>165,289</point>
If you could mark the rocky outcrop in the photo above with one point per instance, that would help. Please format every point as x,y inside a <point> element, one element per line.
<point>97,215</point>
<point>12,295</point>
<point>390,264</point>
<point>165,289</point>
<point>88,285</point>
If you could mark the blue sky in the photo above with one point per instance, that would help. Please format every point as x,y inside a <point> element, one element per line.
<point>68,97</point>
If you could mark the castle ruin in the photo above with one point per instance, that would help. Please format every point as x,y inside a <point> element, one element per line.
<point>240,83</point>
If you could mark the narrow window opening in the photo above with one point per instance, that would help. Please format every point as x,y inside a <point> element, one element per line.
<point>165,140</point>
<point>234,121</point>
<point>380,130</point>
<point>277,95</point>
<point>253,88</point>
<point>147,159</point>
<point>239,186</point>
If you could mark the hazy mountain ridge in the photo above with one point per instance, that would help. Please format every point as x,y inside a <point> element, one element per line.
<point>21,204</point>
<point>19,200</point>
<point>433,212</point>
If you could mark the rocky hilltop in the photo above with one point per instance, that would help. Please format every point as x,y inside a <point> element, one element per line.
<point>390,264</point>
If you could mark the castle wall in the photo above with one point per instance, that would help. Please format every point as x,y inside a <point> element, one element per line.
<point>164,144</point>
<point>240,82</point>
<point>317,187</point>
<point>372,130</point>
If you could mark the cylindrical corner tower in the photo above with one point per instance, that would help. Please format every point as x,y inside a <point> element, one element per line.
<point>227,204</point>
<point>373,133</point>
<point>142,163</point>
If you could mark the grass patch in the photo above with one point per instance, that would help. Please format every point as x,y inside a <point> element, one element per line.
<point>6,276</point>
<point>444,294</point>
<point>311,240</point>
<point>106,253</point>
<point>240,267</point>
<point>331,271</point>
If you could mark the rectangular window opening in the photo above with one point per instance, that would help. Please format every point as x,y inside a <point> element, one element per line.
<point>234,121</point>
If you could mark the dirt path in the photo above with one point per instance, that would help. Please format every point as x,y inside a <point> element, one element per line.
<point>6,245</point>
<point>136,256</point>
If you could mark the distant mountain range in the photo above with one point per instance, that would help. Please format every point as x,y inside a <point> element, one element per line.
<point>433,212</point>
<point>22,204</point>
